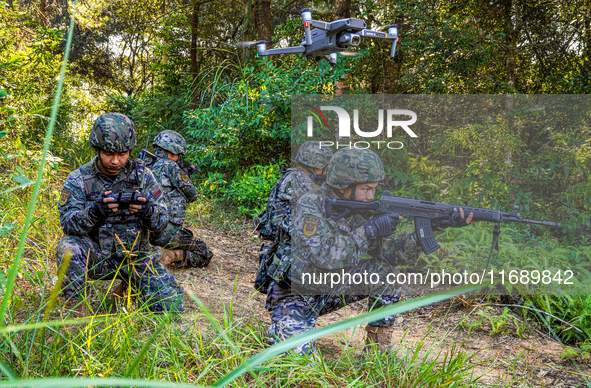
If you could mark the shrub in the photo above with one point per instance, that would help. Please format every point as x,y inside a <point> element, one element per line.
<point>248,191</point>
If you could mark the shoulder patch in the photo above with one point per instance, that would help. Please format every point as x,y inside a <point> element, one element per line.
<point>184,176</point>
<point>310,226</point>
<point>156,192</point>
<point>65,196</point>
<point>315,186</point>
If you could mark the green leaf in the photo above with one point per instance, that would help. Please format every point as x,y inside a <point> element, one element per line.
<point>21,179</point>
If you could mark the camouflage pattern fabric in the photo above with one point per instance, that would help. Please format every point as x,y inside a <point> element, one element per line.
<point>274,264</point>
<point>118,236</point>
<point>171,141</point>
<point>176,185</point>
<point>293,314</point>
<point>178,190</point>
<point>113,132</point>
<point>196,252</point>
<point>158,287</point>
<point>312,155</point>
<point>320,242</point>
<point>353,166</point>
<point>324,243</point>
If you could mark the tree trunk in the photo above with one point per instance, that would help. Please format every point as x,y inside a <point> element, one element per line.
<point>342,9</point>
<point>43,12</point>
<point>511,29</point>
<point>263,20</point>
<point>587,37</point>
<point>193,53</point>
<point>393,66</point>
<point>164,9</point>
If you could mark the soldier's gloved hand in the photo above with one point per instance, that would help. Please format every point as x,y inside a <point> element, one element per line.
<point>455,220</point>
<point>190,169</point>
<point>103,206</point>
<point>380,226</point>
<point>146,210</point>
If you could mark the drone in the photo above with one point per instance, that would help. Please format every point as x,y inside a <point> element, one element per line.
<point>328,39</point>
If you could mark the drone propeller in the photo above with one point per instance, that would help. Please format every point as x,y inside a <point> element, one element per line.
<point>253,43</point>
<point>317,10</point>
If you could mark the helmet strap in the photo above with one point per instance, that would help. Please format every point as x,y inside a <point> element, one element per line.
<point>353,188</point>
<point>337,193</point>
<point>306,168</point>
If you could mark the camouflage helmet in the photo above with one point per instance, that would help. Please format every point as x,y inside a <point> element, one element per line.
<point>171,141</point>
<point>351,166</point>
<point>113,132</point>
<point>312,155</point>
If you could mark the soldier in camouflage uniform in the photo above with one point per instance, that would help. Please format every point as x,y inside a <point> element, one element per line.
<point>103,241</point>
<point>275,222</point>
<point>355,244</point>
<point>182,248</point>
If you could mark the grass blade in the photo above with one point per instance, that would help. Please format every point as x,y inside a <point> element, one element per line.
<point>371,316</point>
<point>56,101</point>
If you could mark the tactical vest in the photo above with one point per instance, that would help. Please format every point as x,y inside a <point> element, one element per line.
<point>267,223</point>
<point>176,202</point>
<point>123,227</point>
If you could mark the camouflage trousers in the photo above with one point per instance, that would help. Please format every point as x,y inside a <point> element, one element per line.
<point>196,252</point>
<point>293,314</point>
<point>158,287</point>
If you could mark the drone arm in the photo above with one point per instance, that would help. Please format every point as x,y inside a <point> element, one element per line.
<point>392,35</point>
<point>322,25</point>
<point>286,50</point>
<point>376,34</point>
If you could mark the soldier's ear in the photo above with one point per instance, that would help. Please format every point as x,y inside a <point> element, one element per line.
<point>97,150</point>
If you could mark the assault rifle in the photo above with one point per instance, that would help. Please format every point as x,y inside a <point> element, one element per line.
<point>423,212</point>
<point>187,167</point>
<point>148,157</point>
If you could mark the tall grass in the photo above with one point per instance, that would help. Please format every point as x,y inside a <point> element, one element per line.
<point>126,349</point>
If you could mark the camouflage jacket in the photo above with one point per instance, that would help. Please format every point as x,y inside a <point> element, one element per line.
<point>319,241</point>
<point>83,186</point>
<point>177,186</point>
<point>290,188</point>
<point>275,223</point>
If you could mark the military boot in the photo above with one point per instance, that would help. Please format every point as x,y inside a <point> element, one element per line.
<point>76,308</point>
<point>380,336</point>
<point>121,290</point>
<point>169,256</point>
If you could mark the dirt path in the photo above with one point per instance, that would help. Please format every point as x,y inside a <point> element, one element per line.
<point>503,359</point>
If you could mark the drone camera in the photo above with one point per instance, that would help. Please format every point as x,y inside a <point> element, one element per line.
<point>349,39</point>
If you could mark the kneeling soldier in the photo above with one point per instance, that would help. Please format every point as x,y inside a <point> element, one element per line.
<point>182,248</point>
<point>107,239</point>
<point>321,244</point>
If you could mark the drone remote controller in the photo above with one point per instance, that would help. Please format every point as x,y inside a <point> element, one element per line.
<point>126,199</point>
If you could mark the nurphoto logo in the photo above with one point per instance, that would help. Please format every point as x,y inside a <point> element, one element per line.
<point>394,118</point>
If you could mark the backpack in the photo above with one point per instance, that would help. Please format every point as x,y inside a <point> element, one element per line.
<point>268,221</point>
